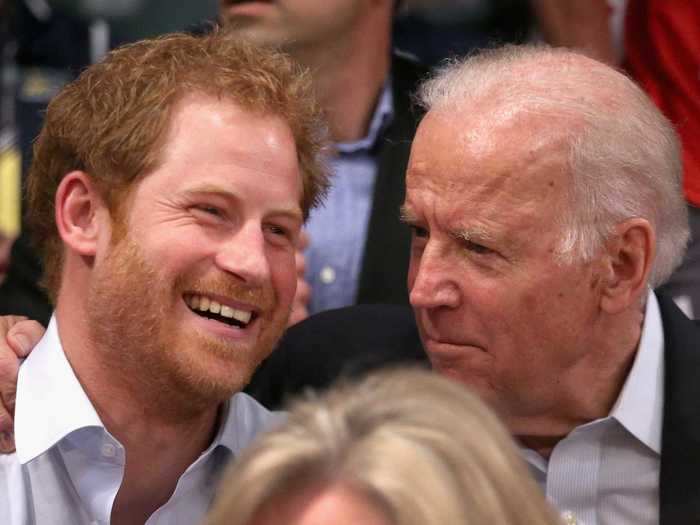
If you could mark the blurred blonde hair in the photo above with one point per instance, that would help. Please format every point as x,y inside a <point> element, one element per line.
<point>422,448</point>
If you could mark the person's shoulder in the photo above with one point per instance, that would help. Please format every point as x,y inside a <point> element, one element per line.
<point>249,418</point>
<point>675,322</point>
<point>358,321</point>
<point>370,334</point>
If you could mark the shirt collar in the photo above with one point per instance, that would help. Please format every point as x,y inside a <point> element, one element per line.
<point>242,418</point>
<point>383,114</point>
<point>639,407</point>
<point>51,403</point>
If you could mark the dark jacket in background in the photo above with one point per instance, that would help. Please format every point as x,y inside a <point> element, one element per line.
<point>384,267</point>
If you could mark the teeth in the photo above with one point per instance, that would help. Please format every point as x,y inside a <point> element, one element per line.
<point>204,304</point>
<point>241,316</point>
<point>226,311</point>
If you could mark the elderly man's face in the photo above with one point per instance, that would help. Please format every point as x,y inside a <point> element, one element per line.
<point>293,23</point>
<point>198,287</point>
<point>495,308</point>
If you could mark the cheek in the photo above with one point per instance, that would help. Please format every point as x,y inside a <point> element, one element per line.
<point>283,275</point>
<point>412,270</point>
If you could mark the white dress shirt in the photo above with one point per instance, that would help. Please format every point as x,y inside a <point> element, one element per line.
<point>606,472</point>
<point>68,468</point>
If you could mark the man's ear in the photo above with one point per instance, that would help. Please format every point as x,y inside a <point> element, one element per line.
<point>79,210</point>
<point>630,253</point>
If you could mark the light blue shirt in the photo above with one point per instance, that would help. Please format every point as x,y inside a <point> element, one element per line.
<point>606,472</point>
<point>68,468</point>
<point>338,230</point>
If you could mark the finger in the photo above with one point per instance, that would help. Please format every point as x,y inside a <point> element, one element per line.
<point>7,442</point>
<point>9,368</point>
<point>7,322</point>
<point>23,337</point>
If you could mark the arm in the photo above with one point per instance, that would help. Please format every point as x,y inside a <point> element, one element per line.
<point>579,24</point>
<point>17,338</point>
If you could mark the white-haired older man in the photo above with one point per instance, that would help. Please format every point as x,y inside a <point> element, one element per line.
<point>544,195</point>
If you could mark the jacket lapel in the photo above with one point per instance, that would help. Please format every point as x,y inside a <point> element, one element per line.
<point>679,483</point>
<point>385,258</point>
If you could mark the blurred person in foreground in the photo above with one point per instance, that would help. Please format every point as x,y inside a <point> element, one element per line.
<point>167,193</point>
<point>403,447</point>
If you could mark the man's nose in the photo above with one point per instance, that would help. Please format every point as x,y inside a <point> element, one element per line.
<point>244,255</point>
<point>433,282</point>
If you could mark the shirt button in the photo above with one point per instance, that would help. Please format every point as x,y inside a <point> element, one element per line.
<point>327,275</point>
<point>109,450</point>
<point>569,518</point>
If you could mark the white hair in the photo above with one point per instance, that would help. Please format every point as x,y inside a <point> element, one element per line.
<point>624,155</point>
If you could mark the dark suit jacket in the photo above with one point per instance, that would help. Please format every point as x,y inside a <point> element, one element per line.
<point>354,340</point>
<point>385,260</point>
<point>346,342</point>
<point>679,484</point>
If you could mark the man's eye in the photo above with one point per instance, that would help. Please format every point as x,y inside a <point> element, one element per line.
<point>280,232</point>
<point>277,230</point>
<point>211,210</point>
<point>476,248</point>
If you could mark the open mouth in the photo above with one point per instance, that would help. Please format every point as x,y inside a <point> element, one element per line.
<point>211,309</point>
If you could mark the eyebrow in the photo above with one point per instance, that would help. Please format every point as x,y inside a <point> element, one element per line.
<point>473,234</point>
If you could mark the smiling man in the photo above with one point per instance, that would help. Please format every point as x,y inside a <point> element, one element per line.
<point>168,190</point>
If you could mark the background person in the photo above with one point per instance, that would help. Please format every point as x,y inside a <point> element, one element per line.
<point>403,447</point>
<point>357,249</point>
<point>658,44</point>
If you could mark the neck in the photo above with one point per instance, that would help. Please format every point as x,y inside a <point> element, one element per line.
<point>349,75</point>
<point>159,445</point>
<point>156,457</point>
<point>587,392</point>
